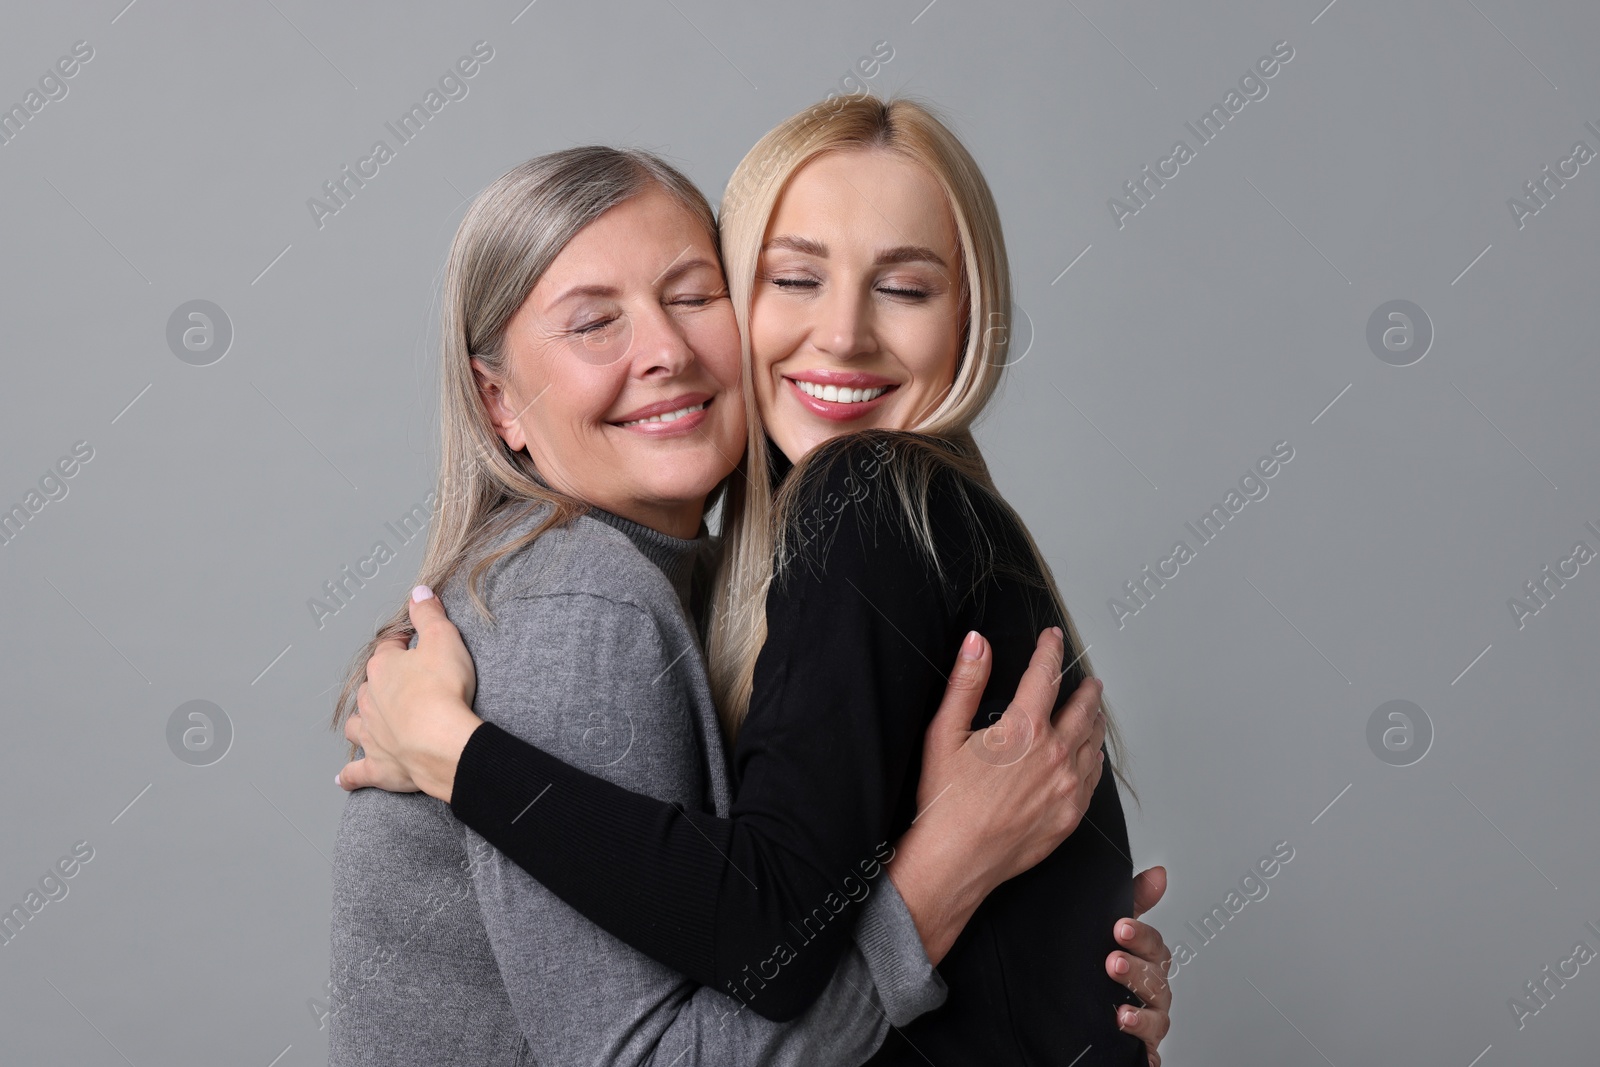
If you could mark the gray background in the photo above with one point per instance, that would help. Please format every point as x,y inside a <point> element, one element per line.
<point>1227,315</point>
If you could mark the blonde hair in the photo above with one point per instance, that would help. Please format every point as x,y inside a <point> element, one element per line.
<point>753,550</point>
<point>511,233</point>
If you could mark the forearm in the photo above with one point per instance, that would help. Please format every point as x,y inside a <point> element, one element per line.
<point>844,1026</point>
<point>888,937</point>
<point>636,1011</point>
<point>666,1022</point>
<point>641,868</point>
<point>883,980</point>
<point>706,896</point>
<point>940,886</point>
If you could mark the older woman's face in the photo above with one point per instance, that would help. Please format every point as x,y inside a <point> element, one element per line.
<point>856,316</point>
<point>622,374</point>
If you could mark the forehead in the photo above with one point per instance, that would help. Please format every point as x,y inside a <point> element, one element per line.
<point>631,244</point>
<point>866,193</point>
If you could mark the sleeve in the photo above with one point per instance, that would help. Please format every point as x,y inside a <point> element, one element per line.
<point>844,688</point>
<point>580,996</point>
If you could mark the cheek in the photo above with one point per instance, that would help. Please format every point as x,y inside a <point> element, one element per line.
<point>928,347</point>
<point>775,331</point>
<point>714,336</point>
<point>568,398</point>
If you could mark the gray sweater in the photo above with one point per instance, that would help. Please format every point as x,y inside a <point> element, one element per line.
<point>446,952</point>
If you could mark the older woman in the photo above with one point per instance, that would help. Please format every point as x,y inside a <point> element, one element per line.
<point>866,261</point>
<point>580,453</point>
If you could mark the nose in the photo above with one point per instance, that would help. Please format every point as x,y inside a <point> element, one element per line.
<point>843,328</point>
<point>660,349</point>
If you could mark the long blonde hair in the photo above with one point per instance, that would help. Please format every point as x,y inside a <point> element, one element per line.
<point>753,550</point>
<point>511,233</point>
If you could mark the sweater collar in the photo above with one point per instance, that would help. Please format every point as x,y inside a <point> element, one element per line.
<point>676,556</point>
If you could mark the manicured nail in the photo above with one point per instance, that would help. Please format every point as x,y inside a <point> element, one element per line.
<point>1125,931</point>
<point>1120,965</point>
<point>337,780</point>
<point>972,646</point>
<point>1057,631</point>
<point>420,593</point>
<point>1127,1017</point>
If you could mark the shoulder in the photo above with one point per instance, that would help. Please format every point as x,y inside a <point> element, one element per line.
<point>581,564</point>
<point>853,463</point>
<point>588,656</point>
<point>579,614</point>
<point>890,490</point>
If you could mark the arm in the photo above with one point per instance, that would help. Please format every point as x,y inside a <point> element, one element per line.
<point>581,996</point>
<point>427,730</point>
<point>822,773</point>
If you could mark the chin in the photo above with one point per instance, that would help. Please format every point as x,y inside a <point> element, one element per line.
<point>817,432</point>
<point>686,483</point>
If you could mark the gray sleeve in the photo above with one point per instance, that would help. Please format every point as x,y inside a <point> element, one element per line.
<point>887,938</point>
<point>884,979</point>
<point>580,995</point>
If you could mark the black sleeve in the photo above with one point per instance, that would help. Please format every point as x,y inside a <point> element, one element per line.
<point>761,904</point>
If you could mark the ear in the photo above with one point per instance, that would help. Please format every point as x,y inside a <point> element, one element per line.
<point>496,404</point>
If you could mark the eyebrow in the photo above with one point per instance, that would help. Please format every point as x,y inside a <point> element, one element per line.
<point>911,254</point>
<point>804,245</point>
<point>899,254</point>
<point>682,267</point>
<point>670,275</point>
<point>584,290</point>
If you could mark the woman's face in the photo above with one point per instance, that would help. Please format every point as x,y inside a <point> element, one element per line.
<point>622,375</point>
<point>856,316</point>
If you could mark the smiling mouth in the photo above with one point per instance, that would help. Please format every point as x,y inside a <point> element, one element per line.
<point>834,394</point>
<point>668,416</point>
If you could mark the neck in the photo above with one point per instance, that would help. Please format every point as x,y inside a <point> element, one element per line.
<point>675,518</point>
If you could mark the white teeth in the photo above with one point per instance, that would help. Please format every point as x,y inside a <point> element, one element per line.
<point>670,416</point>
<point>839,395</point>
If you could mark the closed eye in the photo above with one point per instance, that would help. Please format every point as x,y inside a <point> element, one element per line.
<point>697,301</point>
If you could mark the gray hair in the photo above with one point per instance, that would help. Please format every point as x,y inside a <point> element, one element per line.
<point>513,230</point>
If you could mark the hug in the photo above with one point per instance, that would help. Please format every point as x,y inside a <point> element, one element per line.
<point>721,608</point>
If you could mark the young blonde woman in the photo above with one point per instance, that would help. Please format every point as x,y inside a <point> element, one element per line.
<point>864,540</point>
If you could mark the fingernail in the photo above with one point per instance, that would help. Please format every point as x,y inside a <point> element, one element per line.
<point>1128,1016</point>
<point>337,780</point>
<point>1120,965</point>
<point>421,593</point>
<point>1057,631</point>
<point>971,647</point>
<point>1125,931</point>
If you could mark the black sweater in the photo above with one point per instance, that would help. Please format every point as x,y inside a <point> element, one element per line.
<point>861,631</point>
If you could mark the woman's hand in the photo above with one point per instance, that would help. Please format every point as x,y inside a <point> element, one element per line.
<point>415,708</point>
<point>994,802</point>
<point>1143,967</point>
